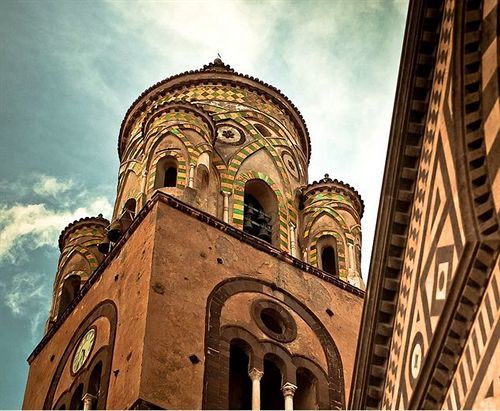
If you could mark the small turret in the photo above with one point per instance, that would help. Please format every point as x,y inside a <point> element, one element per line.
<point>331,235</point>
<point>79,257</point>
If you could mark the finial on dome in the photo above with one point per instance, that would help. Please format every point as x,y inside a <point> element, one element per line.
<point>327,175</point>
<point>218,60</point>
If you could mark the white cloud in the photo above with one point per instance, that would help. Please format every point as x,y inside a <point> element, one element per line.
<point>26,296</point>
<point>51,186</point>
<point>31,226</point>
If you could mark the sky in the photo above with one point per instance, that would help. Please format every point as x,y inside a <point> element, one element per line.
<point>69,70</point>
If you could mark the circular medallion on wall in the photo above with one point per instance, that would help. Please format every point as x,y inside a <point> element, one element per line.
<point>274,320</point>
<point>416,353</point>
<point>230,135</point>
<point>83,350</point>
<point>290,164</point>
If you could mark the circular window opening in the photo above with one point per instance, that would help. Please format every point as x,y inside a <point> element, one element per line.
<point>272,320</point>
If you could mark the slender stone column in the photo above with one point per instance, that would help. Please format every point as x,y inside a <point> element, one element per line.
<point>88,400</point>
<point>293,250</point>
<point>288,391</point>
<point>144,188</point>
<point>255,376</point>
<point>225,212</point>
<point>191,175</point>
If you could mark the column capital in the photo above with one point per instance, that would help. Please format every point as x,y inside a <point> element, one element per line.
<point>88,400</point>
<point>255,374</point>
<point>292,225</point>
<point>288,389</point>
<point>225,193</point>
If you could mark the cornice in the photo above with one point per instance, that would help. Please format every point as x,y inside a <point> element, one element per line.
<point>397,195</point>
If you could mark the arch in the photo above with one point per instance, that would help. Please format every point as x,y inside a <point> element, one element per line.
<point>166,172</point>
<point>181,169</point>
<point>271,383</point>
<point>329,260</point>
<point>262,130</point>
<point>76,402</point>
<point>238,204</point>
<point>69,290</point>
<point>260,211</point>
<point>213,390</point>
<point>240,386</point>
<point>130,207</point>
<point>339,251</point>
<point>94,385</point>
<point>107,309</point>
<point>306,395</point>
<point>319,213</point>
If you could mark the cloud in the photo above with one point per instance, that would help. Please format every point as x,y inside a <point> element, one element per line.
<point>51,186</point>
<point>29,226</point>
<point>26,295</point>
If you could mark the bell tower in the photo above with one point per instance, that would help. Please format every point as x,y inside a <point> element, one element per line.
<point>224,279</point>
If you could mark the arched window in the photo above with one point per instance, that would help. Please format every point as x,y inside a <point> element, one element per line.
<point>77,399</point>
<point>170,179</point>
<point>262,130</point>
<point>328,260</point>
<point>271,383</point>
<point>129,207</point>
<point>70,288</point>
<point>240,385</point>
<point>260,211</point>
<point>327,254</point>
<point>95,380</point>
<point>166,172</point>
<point>306,395</point>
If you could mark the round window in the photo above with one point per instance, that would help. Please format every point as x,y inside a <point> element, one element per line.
<point>274,320</point>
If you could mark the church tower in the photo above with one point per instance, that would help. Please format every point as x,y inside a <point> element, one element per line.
<point>223,280</point>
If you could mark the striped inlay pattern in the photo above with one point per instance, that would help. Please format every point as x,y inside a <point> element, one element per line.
<point>479,350</point>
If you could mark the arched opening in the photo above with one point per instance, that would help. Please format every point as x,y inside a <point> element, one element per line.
<point>166,172</point>
<point>129,207</point>
<point>262,130</point>
<point>328,260</point>
<point>260,211</point>
<point>95,383</point>
<point>306,395</point>
<point>240,385</point>
<point>271,383</point>
<point>170,179</point>
<point>70,288</point>
<point>77,399</point>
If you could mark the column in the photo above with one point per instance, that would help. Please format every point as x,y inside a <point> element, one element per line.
<point>293,250</point>
<point>88,400</point>
<point>225,210</point>
<point>288,391</point>
<point>255,376</point>
<point>191,175</point>
<point>144,188</point>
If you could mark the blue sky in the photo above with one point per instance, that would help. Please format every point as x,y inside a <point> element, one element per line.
<point>69,71</point>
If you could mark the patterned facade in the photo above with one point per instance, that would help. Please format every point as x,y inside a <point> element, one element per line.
<point>224,280</point>
<point>433,295</point>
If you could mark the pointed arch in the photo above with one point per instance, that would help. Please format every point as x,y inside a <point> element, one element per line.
<point>238,204</point>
